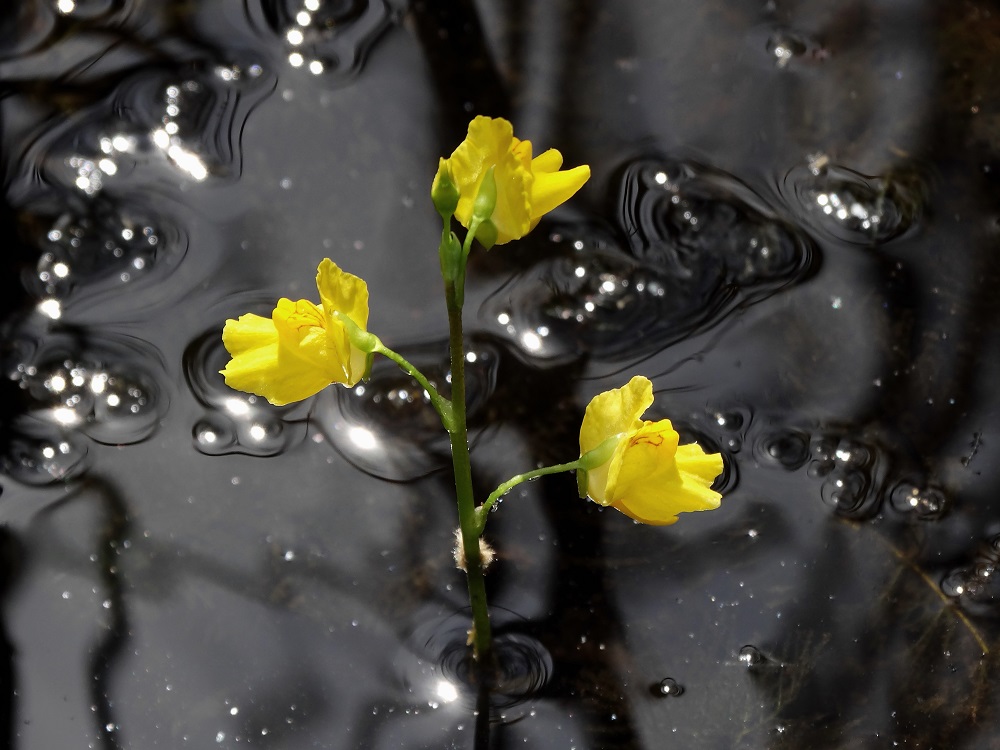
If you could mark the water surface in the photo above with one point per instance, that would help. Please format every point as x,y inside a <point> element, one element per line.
<point>790,229</point>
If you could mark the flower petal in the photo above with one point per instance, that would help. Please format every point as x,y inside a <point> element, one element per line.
<point>549,161</point>
<point>611,413</point>
<point>615,411</point>
<point>656,479</point>
<point>512,215</point>
<point>488,139</point>
<point>552,189</point>
<point>258,365</point>
<point>343,292</point>
<point>696,466</point>
<point>248,333</point>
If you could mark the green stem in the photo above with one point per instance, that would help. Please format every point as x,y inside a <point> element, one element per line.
<point>459,436</point>
<point>483,510</point>
<point>441,405</point>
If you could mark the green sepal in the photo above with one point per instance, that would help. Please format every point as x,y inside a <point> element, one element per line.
<point>601,454</point>
<point>361,339</point>
<point>486,233</point>
<point>581,483</point>
<point>486,198</point>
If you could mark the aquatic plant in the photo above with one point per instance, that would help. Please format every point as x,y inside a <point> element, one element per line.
<point>498,193</point>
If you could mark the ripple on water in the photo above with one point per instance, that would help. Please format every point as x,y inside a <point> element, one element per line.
<point>387,426</point>
<point>155,125</point>
<point>108,389</point>
<point>89,254</point>
<point>668,687</point>
<point>699,244</point>
<point>703,225</point>
<point>784,447</point>
<point>36,454</point>
<point>976,586</point>
<point>436,666</point>
<point>324,37</point>
<point>591,298</point>
<point>853,207</point>
<point>235,422</point>
<point>35,22</point>
<point>854,474</point>
<point>922,501</point>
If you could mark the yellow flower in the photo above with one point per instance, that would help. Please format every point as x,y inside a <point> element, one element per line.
<point>648,476</point>
<point>303,347</point>
<point>527,188</point>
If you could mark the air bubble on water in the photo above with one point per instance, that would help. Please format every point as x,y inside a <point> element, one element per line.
<point>926,503</point>
<point>784,50</point>
<point>856,208</point>
<point>668,687</point>
<point>956,583</point>
<point>696,239</point>
<point>750,656</point>
<point>327,37</point>
<point>846,489</point>
<point>786,448</point>
<point>234,423</point>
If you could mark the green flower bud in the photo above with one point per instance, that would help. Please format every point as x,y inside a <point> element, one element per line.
<point>444,191</point>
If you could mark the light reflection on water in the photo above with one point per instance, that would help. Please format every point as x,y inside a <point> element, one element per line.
<point>790,229</point>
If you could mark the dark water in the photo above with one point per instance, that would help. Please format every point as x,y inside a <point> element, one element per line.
<point>792,229</point>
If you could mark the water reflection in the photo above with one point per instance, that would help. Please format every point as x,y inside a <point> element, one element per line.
<point>324,37</point>
<point>697,244</point>
<point>235,422</point>
<point>436,668</point>
<point>155,124</point>
<point>105,389</point>
<point>387,427</point>
<point>852,207</point>
<point>38,455</point>
<point>88,254</point>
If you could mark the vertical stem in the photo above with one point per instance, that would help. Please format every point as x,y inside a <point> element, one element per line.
<point>459,435</point>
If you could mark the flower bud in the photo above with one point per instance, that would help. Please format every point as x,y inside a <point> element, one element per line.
<point>444,191</point>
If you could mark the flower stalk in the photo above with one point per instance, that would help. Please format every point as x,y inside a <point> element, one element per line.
<point>458,432</point>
